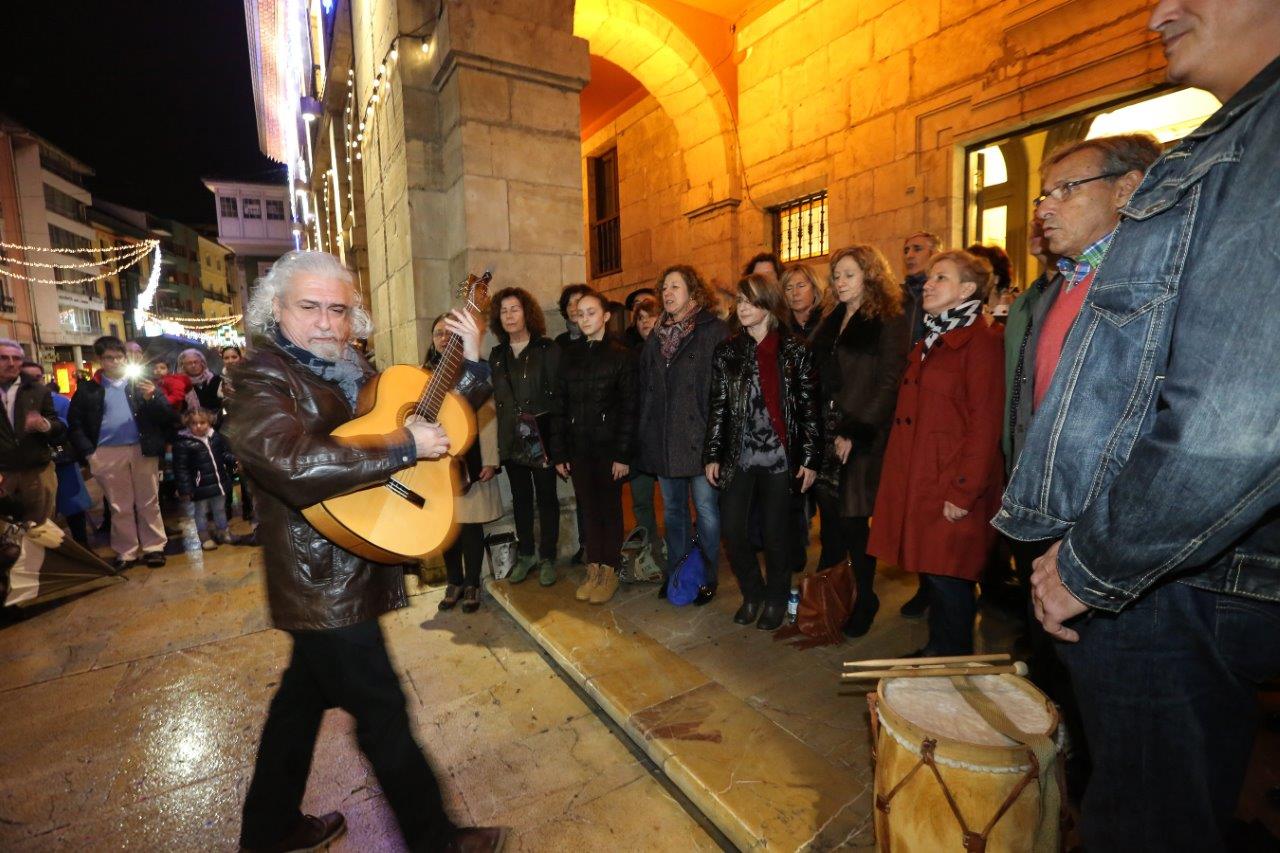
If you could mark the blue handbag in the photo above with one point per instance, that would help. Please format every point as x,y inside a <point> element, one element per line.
<point>689,576</point>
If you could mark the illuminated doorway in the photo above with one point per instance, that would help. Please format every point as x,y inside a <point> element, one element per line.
<point>1002,175</point>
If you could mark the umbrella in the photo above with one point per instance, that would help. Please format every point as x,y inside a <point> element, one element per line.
<point>48,564</point>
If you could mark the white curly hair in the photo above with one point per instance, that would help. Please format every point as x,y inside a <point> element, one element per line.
<point>259,314</point>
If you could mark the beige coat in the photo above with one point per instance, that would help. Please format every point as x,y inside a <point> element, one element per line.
<point>483,501</point>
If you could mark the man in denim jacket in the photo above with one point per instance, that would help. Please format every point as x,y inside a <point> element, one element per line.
<point>1155,459</point>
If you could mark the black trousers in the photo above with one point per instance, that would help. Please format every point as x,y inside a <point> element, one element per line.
<point>525,483</point>
<point>953,606</point>
<point>599,499</point>
<point>462,560</point>
<point>772,494</point>
<point>344,668</point>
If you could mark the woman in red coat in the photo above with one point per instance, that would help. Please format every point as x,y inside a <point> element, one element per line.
<point>943,469</point>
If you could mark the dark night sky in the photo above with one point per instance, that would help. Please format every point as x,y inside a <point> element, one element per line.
<point>151,94</point>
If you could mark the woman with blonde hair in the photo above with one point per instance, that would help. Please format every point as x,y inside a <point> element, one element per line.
<point>933,513</point>
<point>861,353</point>
<point>808,301</point>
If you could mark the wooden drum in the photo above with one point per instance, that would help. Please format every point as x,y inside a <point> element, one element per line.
<point>965,763</point>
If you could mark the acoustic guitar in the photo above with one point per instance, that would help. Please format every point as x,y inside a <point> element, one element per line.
<point>411,514</point>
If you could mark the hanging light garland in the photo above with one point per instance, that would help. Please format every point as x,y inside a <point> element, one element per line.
<point>122,258</point>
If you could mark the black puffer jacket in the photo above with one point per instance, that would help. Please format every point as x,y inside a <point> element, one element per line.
<point>202,470</point>
<point>673,400</point>
<point>155,417</point>
<point>595,414</point>
<point>524,383</point>
<point>733,366</point>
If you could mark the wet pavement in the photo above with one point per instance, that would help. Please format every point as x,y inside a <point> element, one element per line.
<point>129,719</point>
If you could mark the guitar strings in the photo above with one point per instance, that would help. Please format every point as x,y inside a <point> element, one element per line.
<point>433,395</point>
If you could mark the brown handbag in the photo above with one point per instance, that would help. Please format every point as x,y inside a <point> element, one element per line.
<point>826,600</point>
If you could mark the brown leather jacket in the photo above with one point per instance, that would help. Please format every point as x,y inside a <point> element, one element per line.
<point>278,424</point>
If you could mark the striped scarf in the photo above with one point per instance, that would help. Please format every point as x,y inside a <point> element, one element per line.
<point>958,317</point>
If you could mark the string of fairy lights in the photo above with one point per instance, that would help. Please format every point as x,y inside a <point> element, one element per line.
<point>110,261</point>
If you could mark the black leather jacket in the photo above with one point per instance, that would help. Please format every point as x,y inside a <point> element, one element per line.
<point>596,411</point>
<point>732,367</point>
<point>278,424</point>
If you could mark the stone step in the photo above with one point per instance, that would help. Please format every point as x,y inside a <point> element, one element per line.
<point>761,786</point>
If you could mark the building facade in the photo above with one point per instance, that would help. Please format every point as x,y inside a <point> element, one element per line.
<point>427,140</point>
<point>216,262</point>
<point>255,226</point>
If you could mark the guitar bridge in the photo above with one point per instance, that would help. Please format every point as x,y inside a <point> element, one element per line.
<point>405,492</point>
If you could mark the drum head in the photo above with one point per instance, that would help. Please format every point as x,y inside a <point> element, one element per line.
<point>936,706</point>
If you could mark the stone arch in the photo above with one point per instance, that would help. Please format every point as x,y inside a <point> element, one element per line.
<point>669,65</point>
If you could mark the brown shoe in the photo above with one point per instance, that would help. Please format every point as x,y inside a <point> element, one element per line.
<point>470,599</point>
<point>476,839</point>
<point>585,588</point>
<point>452,595</point>
<point>311,833</point>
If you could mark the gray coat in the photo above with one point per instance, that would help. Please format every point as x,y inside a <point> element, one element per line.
<point>675,399</point>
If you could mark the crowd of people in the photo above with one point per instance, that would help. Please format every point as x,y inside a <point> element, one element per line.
<point>136,426</point>
<point>1112,427</point>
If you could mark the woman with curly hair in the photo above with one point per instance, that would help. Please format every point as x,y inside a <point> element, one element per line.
<point>861,353</point>
<point>675,386</point>
<point>525,365</point>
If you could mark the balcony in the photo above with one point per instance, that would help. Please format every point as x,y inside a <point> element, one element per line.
<point>7,304</point>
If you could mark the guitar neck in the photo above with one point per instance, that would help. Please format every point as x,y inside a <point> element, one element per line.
<point>446,373</point>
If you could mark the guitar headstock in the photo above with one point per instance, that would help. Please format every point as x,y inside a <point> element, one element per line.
<point>475,291</point>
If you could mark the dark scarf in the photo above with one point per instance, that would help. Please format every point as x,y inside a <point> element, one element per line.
<point>958,317</point>
<point>771,381</point>
<point>671,334</point>
<point>347,372</point>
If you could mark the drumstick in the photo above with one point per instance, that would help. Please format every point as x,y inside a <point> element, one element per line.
<point>1018,668</point>
<point>992,658</point>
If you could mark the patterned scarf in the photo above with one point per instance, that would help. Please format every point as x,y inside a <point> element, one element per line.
<point>347,371</point>
<point>958,317</point>
<point>671,333</point>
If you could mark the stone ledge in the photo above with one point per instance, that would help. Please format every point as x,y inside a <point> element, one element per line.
<point>761,786</point>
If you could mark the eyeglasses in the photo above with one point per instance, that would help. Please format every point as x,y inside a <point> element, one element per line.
<point>1063,191</point>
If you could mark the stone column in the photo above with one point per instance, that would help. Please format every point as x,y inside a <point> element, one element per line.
<point>475,160</point>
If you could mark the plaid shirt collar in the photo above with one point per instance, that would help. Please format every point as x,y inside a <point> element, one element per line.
<point>1076,270</point>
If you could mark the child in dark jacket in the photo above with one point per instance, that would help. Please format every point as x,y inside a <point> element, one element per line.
<point>201,462</point>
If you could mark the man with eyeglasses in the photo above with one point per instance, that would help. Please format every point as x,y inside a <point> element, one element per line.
<point>1086,184</point>
<point>1154,460</point>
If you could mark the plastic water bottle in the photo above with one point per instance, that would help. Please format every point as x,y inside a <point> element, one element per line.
<point>793,603</point>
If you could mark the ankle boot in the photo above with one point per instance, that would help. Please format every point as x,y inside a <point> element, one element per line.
<point>586,587</point>
<point>606,585</point>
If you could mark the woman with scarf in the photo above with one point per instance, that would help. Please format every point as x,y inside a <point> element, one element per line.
<point>943,466</point>
<point>763,442</point>
<point>675,388</point>
<point>480,501</point>
<point>206,386</point>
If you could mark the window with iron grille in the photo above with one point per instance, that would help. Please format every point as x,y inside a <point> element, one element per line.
<point>606,233</point>
<point>800,228</point>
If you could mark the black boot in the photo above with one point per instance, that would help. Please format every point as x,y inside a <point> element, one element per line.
<point>917,605</point>
<point>773,615</point>
<point>747,613</point>
<point>863,615</point>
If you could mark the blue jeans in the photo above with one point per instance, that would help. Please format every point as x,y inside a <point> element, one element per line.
<point>201,509</point>
<point>1167,692</point>
<point>675,515</point>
